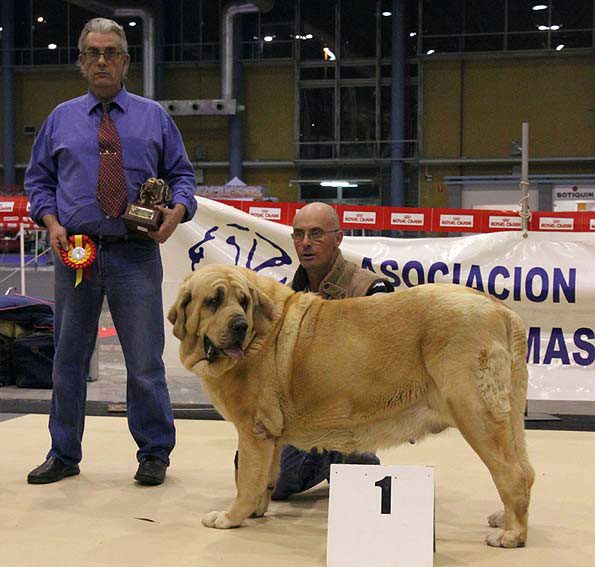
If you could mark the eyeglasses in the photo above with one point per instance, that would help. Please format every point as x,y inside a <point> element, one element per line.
<point>108,54</point>
<point>315,234</point>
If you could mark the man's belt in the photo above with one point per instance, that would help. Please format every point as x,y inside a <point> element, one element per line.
<point>114,239</point>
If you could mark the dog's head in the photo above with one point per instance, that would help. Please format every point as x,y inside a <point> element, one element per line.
<point>220,315</point>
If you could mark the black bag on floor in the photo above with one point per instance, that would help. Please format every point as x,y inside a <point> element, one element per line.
<point>27,359</point>
<point>5,361</point>
<point>33,360</point>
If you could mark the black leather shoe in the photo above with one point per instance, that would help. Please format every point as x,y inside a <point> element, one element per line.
<point>51,471</point>
<point>151,471</point>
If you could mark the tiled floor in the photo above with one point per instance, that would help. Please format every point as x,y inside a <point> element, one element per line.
<point>102,517</point>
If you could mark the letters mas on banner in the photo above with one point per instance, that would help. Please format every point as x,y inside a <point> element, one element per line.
<point>546,278</point>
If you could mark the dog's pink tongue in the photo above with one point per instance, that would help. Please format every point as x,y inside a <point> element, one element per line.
<point>235,353</point>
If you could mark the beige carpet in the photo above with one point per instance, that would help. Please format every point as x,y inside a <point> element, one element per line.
<point>102,518</point>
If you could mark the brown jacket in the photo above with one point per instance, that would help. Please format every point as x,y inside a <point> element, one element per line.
<point>345,279</point>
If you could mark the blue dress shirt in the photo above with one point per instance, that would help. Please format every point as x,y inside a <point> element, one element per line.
<point>61,178</point>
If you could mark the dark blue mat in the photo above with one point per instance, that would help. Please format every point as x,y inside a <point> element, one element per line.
<point>14,260</point>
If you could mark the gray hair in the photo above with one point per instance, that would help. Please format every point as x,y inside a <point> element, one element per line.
<point>103,25</point>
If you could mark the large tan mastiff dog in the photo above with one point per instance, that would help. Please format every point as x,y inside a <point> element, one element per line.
<point>357,375</point>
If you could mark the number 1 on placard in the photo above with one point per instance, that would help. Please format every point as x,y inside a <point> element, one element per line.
<point>385,498</point>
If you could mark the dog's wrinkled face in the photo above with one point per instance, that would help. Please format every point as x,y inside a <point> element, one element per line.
<point>214,318</point>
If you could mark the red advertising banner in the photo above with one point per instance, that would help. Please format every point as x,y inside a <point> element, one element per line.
<point>360,217</point>
<point>14,211</point>
<point>556,222</point>
<point>407,218</point>
<point>496,221</point>
<point>457,220</point>
<point>267,210</point>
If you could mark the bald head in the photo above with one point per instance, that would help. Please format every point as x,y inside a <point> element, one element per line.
<point>320,214</point>
<point>317,236</point>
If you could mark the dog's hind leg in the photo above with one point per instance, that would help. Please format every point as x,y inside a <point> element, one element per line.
<point>492,439</point>
<point>518,397</point>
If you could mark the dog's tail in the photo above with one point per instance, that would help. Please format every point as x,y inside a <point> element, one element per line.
<point>517,341</point>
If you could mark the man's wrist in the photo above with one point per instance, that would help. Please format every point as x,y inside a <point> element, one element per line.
<point>50,220</point>
<point>179,211</point>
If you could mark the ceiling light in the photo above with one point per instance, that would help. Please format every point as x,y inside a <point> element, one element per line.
<point>41,19</point>
<point>52,46</point>
<point>543,28</point>
<point>328,54</point>
<point>387,14</point>
<point>309,36</point>
<point>132,24</point>
<point>268,38</point>
<point>555,27</point>
<point>560,47</point>
<point>430,51</point>
<point>337,183</point>
<point>538,7</point>
<point>412,34</point>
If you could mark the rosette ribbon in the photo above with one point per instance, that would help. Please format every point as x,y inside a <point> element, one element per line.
<point>80,255</point>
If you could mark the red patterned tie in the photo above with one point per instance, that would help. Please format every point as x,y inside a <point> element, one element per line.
<point>111,183</point>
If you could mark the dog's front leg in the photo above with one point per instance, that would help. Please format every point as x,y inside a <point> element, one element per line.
<point>254,466</point>
<point>263,506</point>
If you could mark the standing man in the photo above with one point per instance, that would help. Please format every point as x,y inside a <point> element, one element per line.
<point>323,270</point>
<point>88,161</point>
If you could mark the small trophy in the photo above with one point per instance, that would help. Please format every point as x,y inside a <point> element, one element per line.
<point>142,216</point>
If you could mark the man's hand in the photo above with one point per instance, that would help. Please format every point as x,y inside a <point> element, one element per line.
<point>57,234</point>
<point>171,219</point>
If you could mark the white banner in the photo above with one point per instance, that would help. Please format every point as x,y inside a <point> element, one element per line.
<point>548,278</point>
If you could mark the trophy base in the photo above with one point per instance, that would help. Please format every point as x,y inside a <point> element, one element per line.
<point>140,219</point>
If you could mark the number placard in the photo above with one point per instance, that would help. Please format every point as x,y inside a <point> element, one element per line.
<point>380,516</point>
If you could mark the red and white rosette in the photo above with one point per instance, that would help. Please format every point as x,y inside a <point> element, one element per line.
<point>80,255</point>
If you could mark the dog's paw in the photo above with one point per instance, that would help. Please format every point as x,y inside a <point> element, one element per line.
<point>219,520</point>
<point>505,538</point>
<point>263,505</point>
<point>496,520</point>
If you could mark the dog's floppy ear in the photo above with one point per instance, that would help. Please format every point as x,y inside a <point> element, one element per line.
<point>177,313</point>
<point>263,309</point>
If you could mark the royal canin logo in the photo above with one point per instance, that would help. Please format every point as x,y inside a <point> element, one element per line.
<point>457,220</point>
<point>363,217</point>
<point>266,213</point>
<point>551,223</point>
<point>407,219</point>
<point>504,222</point>
<point>6,206</point>
<point>592,224</point>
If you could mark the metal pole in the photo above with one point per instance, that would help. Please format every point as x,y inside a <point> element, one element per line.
<point>8,23</point>
<point>148,45</point>
<point>35,249</point>
<point>22,239</point>
<point>236,130</point>
<point>94,365</point>
<point>524,185</point>
<point>397,182</point>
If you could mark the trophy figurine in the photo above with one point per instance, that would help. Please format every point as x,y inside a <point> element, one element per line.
<point>142,216</point>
